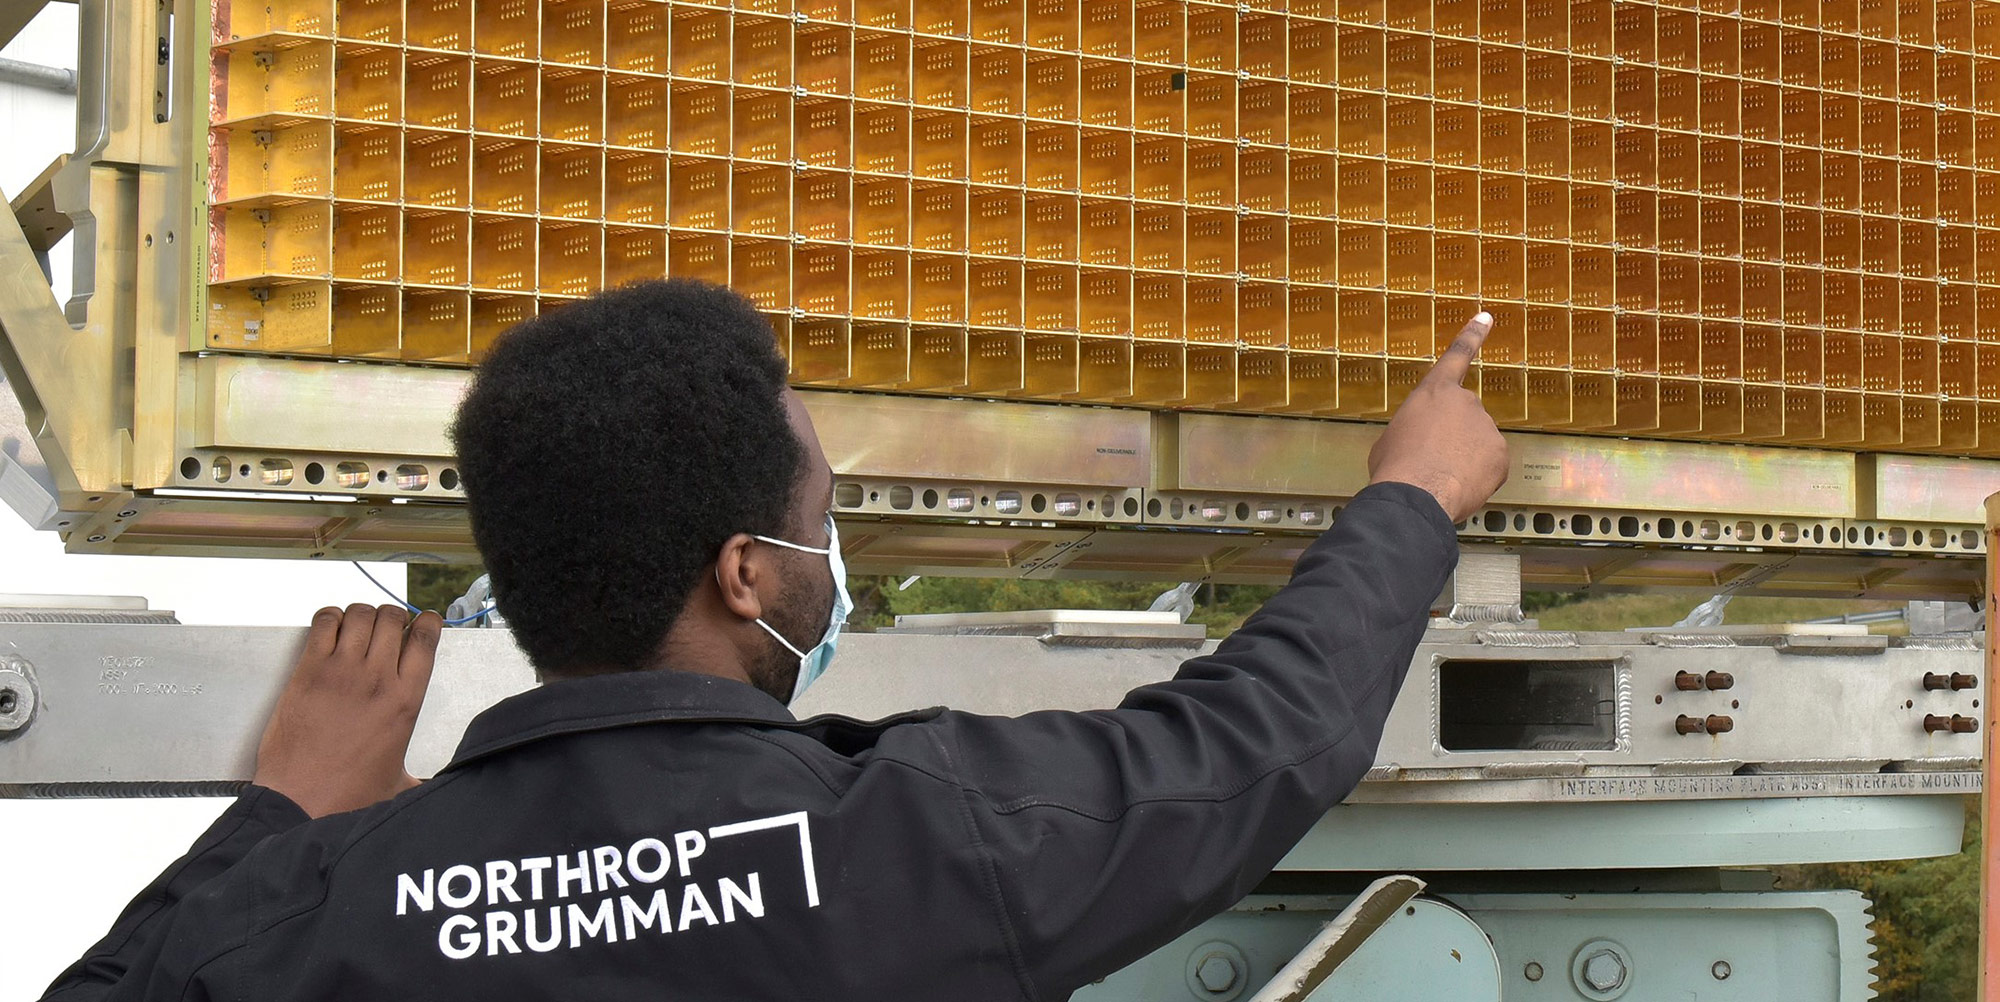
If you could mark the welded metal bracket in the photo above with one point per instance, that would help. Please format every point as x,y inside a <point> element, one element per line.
<point>1485,589</point>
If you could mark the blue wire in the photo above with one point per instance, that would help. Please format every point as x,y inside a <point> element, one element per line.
<point>461,621</point>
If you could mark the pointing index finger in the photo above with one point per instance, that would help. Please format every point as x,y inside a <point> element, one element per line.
<point>1457,359</point>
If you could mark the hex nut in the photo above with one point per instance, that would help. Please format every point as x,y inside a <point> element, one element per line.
<point>1603,971</point>
<point>1217,973</point>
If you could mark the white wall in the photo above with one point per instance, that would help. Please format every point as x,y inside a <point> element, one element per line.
<point>76,863</point>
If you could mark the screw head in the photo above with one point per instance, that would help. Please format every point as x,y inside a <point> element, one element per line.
<point>1533,972</point>
<point>1603,971</point>
<point>17,696</point>
<point>1720,969</point>
<point>1217,973</point>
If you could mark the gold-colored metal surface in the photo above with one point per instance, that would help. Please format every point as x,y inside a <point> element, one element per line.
<point>390,181</point>
<point>16,16</point>
<point>63,377</point>
<point>1329,459</point>
<point>34,207</point>
<point>1746,225</point>
<point>283,405</point>
<point>1926,489</point>
<point>878,435</point>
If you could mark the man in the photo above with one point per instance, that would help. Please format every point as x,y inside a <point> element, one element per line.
<point>653,507</point>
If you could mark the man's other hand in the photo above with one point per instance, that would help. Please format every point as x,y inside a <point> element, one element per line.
<point>337,738</point>
<point>1441,439</point>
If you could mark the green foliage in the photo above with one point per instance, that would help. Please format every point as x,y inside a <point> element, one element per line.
<point>1618,612</point>
<point>1535,601</point>
<point>434,586</point>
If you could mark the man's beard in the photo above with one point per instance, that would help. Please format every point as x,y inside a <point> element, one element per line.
<point>777,672</point>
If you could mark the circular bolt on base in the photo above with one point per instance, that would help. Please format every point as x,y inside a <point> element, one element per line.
<point>1533,972</point>
<point>1601,970</point>
<point>1217,972</point>
<point>1721,970</point>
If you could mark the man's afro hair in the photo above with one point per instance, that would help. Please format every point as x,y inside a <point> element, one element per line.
<point>608,448</point>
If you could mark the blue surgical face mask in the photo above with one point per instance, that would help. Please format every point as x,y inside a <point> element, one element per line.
<point>812,664</point>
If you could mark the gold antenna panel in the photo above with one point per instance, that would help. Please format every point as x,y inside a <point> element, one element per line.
<point>1763,229</point>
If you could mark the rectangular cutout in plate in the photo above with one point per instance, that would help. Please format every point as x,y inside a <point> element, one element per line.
<point>1528,705</point>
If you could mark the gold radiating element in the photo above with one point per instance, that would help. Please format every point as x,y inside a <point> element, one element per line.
<point>1754,226</point>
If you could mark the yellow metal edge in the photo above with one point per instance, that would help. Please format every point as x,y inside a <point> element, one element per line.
<point>1926,488</point>
<point>1330,459</point>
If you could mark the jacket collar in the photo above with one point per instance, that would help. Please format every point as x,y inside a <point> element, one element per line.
<point>598,702</point>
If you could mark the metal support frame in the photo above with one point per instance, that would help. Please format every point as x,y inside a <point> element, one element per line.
<point>1989,856</point>
<point>135,708</point>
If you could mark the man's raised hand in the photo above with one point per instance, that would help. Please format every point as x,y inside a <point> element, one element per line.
<point>1441,439</point>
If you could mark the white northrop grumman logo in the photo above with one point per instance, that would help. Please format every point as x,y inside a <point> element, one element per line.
<point>608,894</point>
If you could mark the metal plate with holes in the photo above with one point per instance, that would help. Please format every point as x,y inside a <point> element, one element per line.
<point>1579,718</point>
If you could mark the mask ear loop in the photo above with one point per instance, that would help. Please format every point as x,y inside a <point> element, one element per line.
<point>766,627</point>
<point>821,550</point>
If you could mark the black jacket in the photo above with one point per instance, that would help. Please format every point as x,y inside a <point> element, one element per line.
<point>672,835</point>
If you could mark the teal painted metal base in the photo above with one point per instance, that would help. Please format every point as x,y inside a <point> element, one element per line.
<point>1808,946</point>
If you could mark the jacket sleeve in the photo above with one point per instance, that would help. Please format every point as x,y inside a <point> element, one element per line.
<point>1109,833</point>
<point>127,954</point>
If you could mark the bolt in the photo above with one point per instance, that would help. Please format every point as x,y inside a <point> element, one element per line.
<point>1687,681</point>
<point>128,513</point>
<point>1533,972</point>
<point>1685,724</point>
<point>1719,724</point>
<point>1603,971</point>
<point>1934,681</point>
<point>97,538</point>
<point>1963,725</point>
<point>1720,969</point>
<point>1720,680</point>
<point>1960,680</point>
<point>1217,973</point>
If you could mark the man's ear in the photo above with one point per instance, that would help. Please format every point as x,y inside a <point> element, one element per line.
<point>738,569</point>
